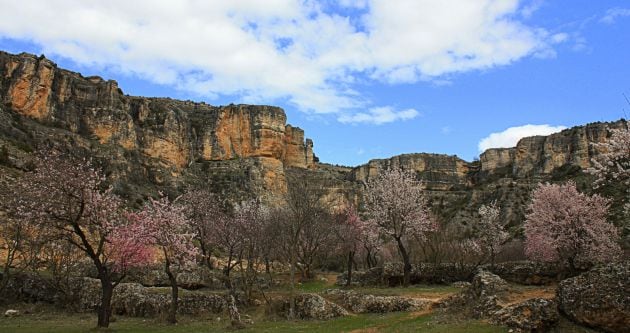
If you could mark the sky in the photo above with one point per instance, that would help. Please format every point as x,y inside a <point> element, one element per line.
<point>365,79</point>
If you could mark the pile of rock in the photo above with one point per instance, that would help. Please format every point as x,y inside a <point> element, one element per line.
<point>133,299</point>
<point>486,298</point>
<point>598,298</point>
<point>360,303</point>
<point>312,306</point>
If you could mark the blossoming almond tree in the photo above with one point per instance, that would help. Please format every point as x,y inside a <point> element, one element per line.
<point>164,225</point>
<point>612,166</point>
<point>64,199</point>
<point>489,232</point>
<point>566,226</point>
<point>397,207</point>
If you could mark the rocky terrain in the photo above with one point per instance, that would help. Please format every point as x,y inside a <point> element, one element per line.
<point>160,144</point>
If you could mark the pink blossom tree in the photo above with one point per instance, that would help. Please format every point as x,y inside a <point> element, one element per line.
<point>65,199</point>
<point>398,209</point>
<point>489,233</point>
<point>566,226</point>
<point>163,224</point>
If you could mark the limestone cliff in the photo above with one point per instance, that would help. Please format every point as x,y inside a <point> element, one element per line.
<point>168,134</point>
<point>150,144</point>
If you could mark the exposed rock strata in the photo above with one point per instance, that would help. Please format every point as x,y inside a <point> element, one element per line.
<point>151,144</point>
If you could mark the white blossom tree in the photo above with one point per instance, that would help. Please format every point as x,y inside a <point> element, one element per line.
<point>612,166</point>
<point>398,209</point>
<point>489,232</point>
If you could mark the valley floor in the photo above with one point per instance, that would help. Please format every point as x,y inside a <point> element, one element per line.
<point>40,318</point>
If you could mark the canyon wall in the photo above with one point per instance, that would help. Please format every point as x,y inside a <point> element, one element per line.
<point>160,144</point>
<point>166,133</point>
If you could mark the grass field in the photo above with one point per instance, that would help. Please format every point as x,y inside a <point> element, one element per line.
<point>51,321</point>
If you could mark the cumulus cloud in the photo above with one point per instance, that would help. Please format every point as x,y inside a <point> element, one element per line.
<point>379,115</point>
<point>613,14</point>
<point>510,137</point>
<point>305,52</point>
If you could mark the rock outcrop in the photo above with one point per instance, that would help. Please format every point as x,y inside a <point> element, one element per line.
<point>362,303</point>
<point>487,298</point>
<point>165,134</point>
<point>241,151</point>
<point>598,298</point>
<point>532,315</point>
<point>313,306</point>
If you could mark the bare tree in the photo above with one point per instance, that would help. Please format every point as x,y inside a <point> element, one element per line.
<point>305,226</point>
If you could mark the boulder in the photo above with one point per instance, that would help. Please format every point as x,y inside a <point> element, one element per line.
<point>359,303</point>
<point>11,313</point>
<point>313,306</point>
<point>533,315</point>
<point>481,298</point>
<point>598,298</point>
<point>486,298</point>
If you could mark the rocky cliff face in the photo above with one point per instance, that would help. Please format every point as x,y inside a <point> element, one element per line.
<point>167,134</point>
<point>150,144</point>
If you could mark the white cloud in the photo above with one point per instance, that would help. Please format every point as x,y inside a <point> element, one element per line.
<point>446,130</point>
<point>613,14</point>
<point>510,137</point>
<point>379,115</point>
<point>530,8</point>
<point>300,51</point>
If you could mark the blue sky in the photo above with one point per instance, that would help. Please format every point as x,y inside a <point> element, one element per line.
<point>364,78</point>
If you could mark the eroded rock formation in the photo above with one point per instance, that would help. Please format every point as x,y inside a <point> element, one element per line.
<point>151,144</point>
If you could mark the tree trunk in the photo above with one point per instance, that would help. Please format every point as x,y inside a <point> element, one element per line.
<point>350,260</point>
<point>406,262</point>
<point>292,277</point>
<point>105,310</point>
<point>172,314</point>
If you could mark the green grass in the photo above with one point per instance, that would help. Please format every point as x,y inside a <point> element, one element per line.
<point>314,286</point>
<point>418,289</point>
<point>395,322</point>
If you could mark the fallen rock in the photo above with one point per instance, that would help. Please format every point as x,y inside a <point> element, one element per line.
<point>598,298</point>
<point>11,313</point>
<point>360,303</point>
<point>486,297</point>
<point>313,306</point>
<point>533,315</point>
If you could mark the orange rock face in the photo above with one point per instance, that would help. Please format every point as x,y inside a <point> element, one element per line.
<point>176,133</point>
<point>243,131</point>
<point>30,91</point>
<point>298,153</point>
